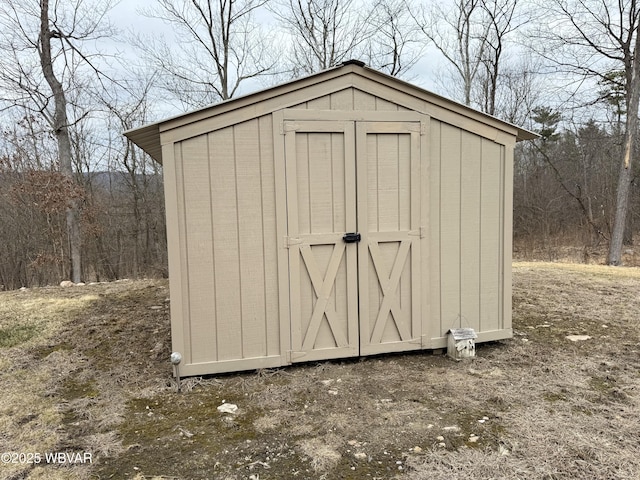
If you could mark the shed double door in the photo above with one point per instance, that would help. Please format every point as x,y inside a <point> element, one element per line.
<point>353,220</point>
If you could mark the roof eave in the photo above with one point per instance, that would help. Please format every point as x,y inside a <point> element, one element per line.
<point>148,139</point>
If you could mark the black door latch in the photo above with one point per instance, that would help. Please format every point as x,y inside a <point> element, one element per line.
<point>351,237</point>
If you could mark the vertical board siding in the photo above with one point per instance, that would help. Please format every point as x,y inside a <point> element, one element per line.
<point>467,225</point>
<point>491,239</point>
<point>342,100</point>
<point>226,183</point>
<point>351,99</point>
<point>425,319</point>
<point>320,182</point>
<point>470,199</point>
<point>389,182</point>
<point>385,149</point>
<point>271,327</point>
<point>179,258</point>
<point>303,204</point>
<point>385,105</point>
<point>226,243</point>
<point>363,101</point>
<point>450,227</point>
<point>320,103</point>
<point>507,227</point>
<point>434,327</point>
<point>250,239</point>
<point>199,254</point>
<point>338,187</point>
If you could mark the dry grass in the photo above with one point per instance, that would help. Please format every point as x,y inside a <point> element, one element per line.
<point>94,377</point>
<point>57,395</point>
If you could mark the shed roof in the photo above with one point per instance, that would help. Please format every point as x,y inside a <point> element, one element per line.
<point>148,136</point>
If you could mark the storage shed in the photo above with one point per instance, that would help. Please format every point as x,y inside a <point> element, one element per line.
<point>341,214</point>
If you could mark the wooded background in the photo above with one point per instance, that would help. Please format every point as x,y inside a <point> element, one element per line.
<point>78,202</point>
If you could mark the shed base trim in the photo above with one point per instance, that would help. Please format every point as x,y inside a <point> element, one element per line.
<point>225,366</point>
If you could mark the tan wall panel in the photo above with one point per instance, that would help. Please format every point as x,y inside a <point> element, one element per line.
<point>230,255</point>
<point>470,231</point>
<point>363,101</point>
<point>176,235</point>
<point>423,216</point>
<point>303,204</point>
<point>491,240</point>
<point>351,99</point>
<point>202,319</point>
<point>270,246</point>
<point>323,146</point>
<point>250,239</point>
<point>388,210</point>
<point>406,202</point>
<point>383,105</point>
<point>433,325</point>
<point>450,220</point>
<point>226,244</point>
<point>339,193</point>
<point>386,148</point>
<point>320,103</point>
<point>342,100</point>
<point>507,232</point>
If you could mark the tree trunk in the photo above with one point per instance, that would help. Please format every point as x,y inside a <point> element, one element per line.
<point>61,132</point>
<point>622,207</point>
<point>625,177</point>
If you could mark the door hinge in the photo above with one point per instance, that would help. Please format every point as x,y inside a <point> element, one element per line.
<point>291,241</point>
<point>420,232</point>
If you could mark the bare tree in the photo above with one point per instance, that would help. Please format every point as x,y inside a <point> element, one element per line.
<point>519,92</point>
<point>394,46</point>
<point>460,33</point>
<point>591,38</point>
<point>471,35</point>
<point>324,32</point>
<point>501,19</point>
<point>33,197</point>
<point>60,125</point>
<point>216,47</point>
<point>41,42</point>
<point>140,178</point>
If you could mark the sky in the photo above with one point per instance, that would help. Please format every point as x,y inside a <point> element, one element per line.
<point>126,17</point>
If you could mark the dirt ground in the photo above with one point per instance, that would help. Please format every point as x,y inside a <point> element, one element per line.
<point>85,371</point>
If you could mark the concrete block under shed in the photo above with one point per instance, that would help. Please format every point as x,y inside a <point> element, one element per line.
<point>461,343</point>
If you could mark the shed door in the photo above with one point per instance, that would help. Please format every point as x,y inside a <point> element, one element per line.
<point>350,298</point>
<point>321,208</point>
<point>389,186</point>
